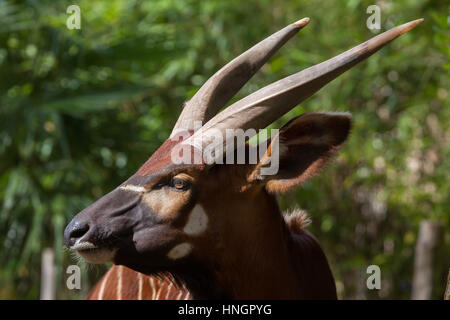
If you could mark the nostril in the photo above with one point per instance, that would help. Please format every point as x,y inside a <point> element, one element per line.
<point>74,231</point>
<point>78,231</point>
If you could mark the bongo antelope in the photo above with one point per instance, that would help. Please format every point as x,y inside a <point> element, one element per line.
<point>211,230</point>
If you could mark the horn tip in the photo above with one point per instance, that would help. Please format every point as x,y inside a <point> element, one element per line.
<point>416,22</point>
<point>301,23</point>
<point>410,25</point>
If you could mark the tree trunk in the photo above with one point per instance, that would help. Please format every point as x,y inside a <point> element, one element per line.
<point>47,275</point>
<point>447,291</point>
<point>423,260</point>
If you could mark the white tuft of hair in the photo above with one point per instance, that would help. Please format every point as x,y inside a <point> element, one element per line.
<point>296,220</point>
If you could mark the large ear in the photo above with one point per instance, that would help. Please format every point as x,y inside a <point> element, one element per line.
<point>305,145</point>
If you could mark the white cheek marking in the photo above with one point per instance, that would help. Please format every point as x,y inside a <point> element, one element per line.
<point>197,221</point>
<point>130,187</point>
<point>179,251</point>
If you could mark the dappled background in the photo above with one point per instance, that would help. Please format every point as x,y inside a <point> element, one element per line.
<point>81,110</point>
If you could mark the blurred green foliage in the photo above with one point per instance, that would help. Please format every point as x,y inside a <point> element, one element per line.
<point>81,110</point>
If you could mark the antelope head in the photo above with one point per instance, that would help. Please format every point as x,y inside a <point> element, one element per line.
<point>180,216</point>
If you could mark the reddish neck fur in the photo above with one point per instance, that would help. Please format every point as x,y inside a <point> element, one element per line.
<point>252,259</point>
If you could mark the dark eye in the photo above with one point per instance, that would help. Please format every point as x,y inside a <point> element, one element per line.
<point>179,184</point>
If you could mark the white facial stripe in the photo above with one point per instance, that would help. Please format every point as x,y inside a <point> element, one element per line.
<point>130,187</point>
<point>197,221</point>
<point>179,251</point>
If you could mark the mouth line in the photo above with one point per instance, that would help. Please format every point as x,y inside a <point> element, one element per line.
<point>84,246</point>
<point>89,250</point>
<point>92,253</point>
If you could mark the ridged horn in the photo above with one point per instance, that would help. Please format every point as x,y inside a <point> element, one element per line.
<point>226,82</point>
<point>266,105</point>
